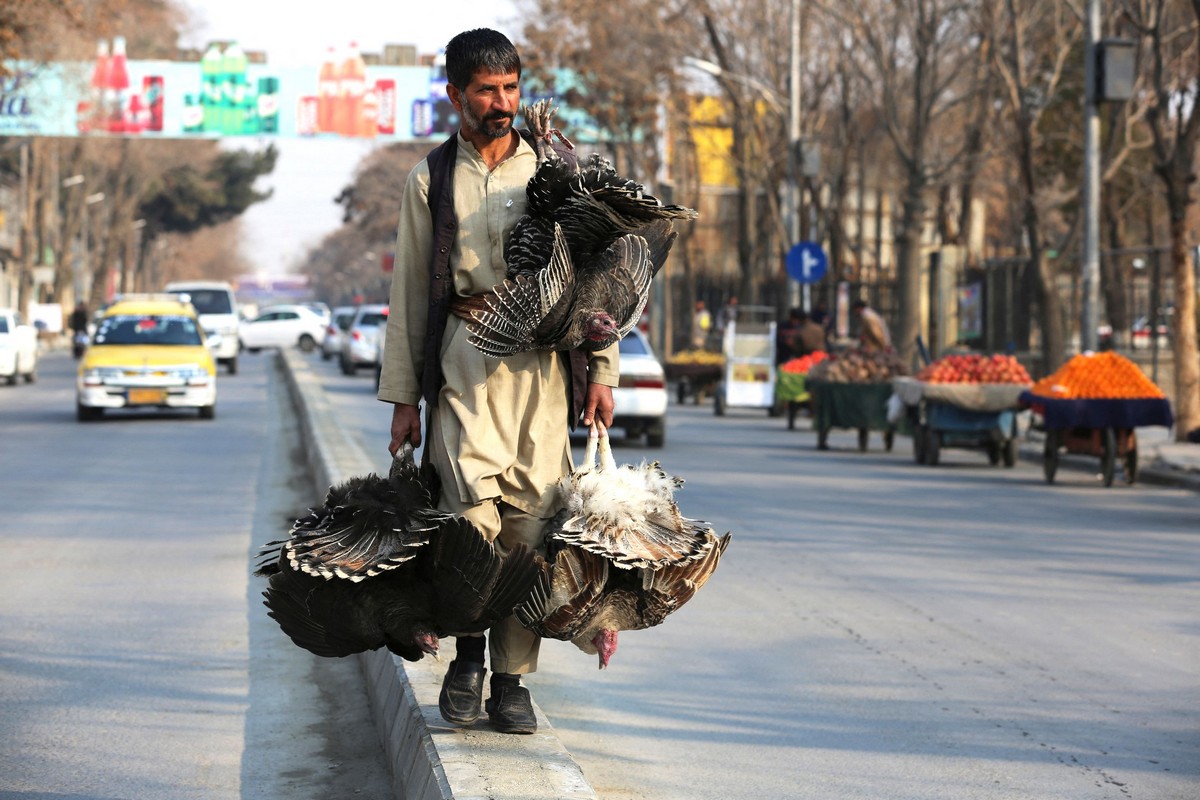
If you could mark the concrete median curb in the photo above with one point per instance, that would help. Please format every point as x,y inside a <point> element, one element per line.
<point>428,757</point>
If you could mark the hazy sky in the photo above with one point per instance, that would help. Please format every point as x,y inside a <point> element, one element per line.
<point>310,173</point>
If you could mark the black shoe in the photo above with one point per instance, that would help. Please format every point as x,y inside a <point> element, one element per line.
<point>510,710</point>
<point>462,692</point>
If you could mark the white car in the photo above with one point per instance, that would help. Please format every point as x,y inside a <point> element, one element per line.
<point>18,348</point>
<point>640,398</point>
<point>360,345</point>
<point>335,331</point>
<point>283,326</point>
<point>217,307</point>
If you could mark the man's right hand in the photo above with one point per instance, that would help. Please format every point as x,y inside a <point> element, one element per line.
<point>406,426</point>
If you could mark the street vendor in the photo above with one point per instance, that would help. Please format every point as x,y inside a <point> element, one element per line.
<point>873,331</point>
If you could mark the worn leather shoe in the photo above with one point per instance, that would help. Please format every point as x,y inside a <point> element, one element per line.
<point>510,710</point>
<point>462,692</point>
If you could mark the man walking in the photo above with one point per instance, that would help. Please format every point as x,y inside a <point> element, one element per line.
<point>497,429</point>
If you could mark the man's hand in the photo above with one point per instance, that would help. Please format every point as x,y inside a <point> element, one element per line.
<point>597,405</point>
<point>406,426</point>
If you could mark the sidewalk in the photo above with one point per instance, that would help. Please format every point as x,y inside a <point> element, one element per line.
<point>429,758</point>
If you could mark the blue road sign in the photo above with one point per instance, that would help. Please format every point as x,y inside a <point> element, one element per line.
<point>806,262</point>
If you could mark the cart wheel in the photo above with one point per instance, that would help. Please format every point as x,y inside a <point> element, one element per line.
<point>823,439</point>
<point>863,439</point>
<point>681,390</point>
<point>933,447</point>
<point>919,435</point>
<point>993,453</point>
<point>1050,455</point>
<point>1009,452</point>
<point>1108,457</point>
<point>1131,466</point>
<point>774,410</point>
<point>791,414</point>
<point>889,439</point>
<point>719,403</point>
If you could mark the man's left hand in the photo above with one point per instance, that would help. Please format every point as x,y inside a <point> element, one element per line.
<point>598,405</point>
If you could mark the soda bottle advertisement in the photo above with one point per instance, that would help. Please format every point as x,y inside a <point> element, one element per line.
<point>226,93</point>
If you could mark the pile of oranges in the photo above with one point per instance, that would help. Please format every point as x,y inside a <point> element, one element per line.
<point>1097,376</point>
<point>801,365</point>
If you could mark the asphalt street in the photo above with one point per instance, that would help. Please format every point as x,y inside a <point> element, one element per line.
<point>879,629</point>
<point>136,658</point>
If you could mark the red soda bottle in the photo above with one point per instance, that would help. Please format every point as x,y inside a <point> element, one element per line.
<point>99,84</point>
<point>352,85</point>
<point>118,83</point>
<point>152,90</point>
<point>385,91</point>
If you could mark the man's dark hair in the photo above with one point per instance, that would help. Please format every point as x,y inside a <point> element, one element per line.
<point>859,304</point>
<point>481,48</point>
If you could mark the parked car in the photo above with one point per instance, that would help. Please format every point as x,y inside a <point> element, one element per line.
<point>360,346</point>
<point>1140,333</point>
<point>18,348</point>
<point>335,331</point>
<point>149,351</point>
<point>217,307</point>
<point>640,399</point>
<point>320,309</point>
<point>380,343</point>
<point>283,326</point>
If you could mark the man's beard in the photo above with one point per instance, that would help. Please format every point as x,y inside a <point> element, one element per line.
<point>488,125</point>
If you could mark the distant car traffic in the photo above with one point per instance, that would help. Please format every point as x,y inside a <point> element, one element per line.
<point>360,346</point>
<point>335,331</point>
<point>283,326</point>
<point>640,399</point>
<point>18,348</point>
<point>217,307</point>
<point>148,351</point>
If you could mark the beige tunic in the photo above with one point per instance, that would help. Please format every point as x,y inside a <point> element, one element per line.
<point>501,424</point>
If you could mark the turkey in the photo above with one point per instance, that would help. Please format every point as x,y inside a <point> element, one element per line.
<point>623,558</point>
<point>377,566</point>
<point>579,262</point>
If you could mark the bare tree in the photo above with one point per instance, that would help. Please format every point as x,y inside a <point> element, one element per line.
<point>1169,32</point>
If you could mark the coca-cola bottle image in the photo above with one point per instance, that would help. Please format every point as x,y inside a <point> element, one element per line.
<point>137,115</point>
<point>116,87</point>
<point>327,92</point>
<point>385,91</point>
<point>352,85</point>
<point>368,118</point>
<point>90,114</point>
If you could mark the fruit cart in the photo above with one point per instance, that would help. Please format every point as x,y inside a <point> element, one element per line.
<point>1092,406</point>
<point>960,415</point>
<point>857,406</point>
<point>791,393</point>
<point>695,379</point>
<point>749,348</point>
<point>1101,427</point>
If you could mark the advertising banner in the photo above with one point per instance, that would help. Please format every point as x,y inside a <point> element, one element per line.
<point>223,95</point>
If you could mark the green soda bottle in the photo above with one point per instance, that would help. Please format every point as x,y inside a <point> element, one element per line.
<point>211,90</point>
<point>234,101</point>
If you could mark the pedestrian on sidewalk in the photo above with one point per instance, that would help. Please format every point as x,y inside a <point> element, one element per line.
<point>496,431</point>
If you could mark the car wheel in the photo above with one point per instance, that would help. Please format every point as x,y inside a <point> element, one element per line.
<point>307,343</point>
<point>231,366</point>
<point>252,349</point>
<point>11,379</point>
<point>208,412</point>
<point>656,434</point>
<point>87,413</point>
<point>346,365</point>
<point>31,376</point>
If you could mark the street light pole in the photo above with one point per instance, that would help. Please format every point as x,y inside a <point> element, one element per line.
<point>1091,185</point>
<point>794,146</point>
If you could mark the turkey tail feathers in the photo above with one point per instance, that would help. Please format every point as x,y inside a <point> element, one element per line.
<point>515,308</point>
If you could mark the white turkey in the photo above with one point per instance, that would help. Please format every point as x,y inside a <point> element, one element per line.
<point>623,557</point>
<point>581,260</point>
<point>378,566</point>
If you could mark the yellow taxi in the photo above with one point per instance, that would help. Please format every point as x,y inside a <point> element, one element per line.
<point>148,351</point>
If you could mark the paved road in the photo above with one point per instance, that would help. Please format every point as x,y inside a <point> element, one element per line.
<point>887,631</point>
<point>136,659</point>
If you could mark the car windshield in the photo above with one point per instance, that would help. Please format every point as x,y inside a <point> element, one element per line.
<point>148,329</point>
<point>3,324</point>
<point>632,345</point>
<point>208,301</point>
<point>344,319</point>
<point>375,318</point>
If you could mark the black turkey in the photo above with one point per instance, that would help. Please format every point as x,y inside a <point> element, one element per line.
<point>623,557</point>
<point>377,566</point>
<point>579,263</point>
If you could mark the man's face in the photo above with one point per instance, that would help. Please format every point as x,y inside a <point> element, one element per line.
<point>489,103</point>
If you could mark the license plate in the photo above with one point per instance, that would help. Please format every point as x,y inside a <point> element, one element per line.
<point>139,397</point>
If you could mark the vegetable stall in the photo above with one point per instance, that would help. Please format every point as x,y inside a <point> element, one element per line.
<point>850,390</point>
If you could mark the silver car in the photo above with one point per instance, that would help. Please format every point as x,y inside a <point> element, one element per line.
<point>360,345</point>
<point>335,332</point>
